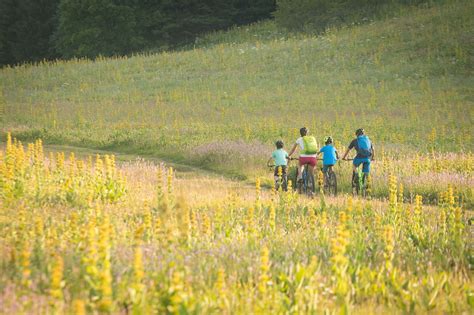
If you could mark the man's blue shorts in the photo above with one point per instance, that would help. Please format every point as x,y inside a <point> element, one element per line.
<point>365,162</point>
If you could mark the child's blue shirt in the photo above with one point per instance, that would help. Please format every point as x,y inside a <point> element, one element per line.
<point>329,154</point>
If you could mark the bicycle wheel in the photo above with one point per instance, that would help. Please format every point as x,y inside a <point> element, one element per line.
<point>302,183</point>
<point>332,182</point>
<point>309,184</point>
<point>355,184</point>
<point>326,183</point>
<point>363,186</point>
<point>284,183</point>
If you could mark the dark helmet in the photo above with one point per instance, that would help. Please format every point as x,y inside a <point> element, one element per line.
<point>303,131</point>
<point>328,140</point>
<point>360,132</point>
<point>279,144</point>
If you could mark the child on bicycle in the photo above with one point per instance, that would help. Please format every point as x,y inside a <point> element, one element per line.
<point>280,158</point>
<point>329,152</point>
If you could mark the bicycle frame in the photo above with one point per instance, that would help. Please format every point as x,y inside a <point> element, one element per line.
<point>306,178</point>
<point>282,181</point>
<point>361,178</point>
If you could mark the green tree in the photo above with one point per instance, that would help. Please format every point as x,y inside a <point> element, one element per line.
<point>317,15</point>
<point>26,30</point>
<point>88,28</point>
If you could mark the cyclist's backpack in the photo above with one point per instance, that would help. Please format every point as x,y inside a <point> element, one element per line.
<point>364,145</point>
<point>310,145</point>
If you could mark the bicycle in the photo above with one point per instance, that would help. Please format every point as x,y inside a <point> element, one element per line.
<point>359,182</point>
<point>306,184</point>
<point>330,181</point>
<point>282,180</point>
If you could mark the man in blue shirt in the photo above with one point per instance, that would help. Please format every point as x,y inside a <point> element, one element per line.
<point>329,152</point>
<point>365,151</point>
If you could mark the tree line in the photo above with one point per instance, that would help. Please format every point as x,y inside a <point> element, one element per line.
<point>34,30</point>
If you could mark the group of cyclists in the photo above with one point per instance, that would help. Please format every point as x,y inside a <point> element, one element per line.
<point>307,147</point>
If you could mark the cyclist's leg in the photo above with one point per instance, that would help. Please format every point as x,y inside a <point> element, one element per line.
<point>325,168</point>
<point>299,169</point>
<point>355,163</point>
<point>311,165</point>
<point>276,178</point>
<point>284,178</point>
<point>366,169</point>
<point>303,160</point>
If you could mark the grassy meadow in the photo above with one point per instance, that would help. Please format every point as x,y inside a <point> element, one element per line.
<point>407,80</point>
<point>92,236</point>
<point>117,233</point>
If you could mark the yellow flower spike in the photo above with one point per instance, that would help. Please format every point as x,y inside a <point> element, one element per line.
<point>264,278</point>
<point>56,292</point>
<point>138,265</point>
<point>257,193</point>
<point>137,286</point>
<point>418,205</point>
<point>400,193</point>
<point>159,184</point>
<point>99,166</point>
<point>193,221</point>
<point>249,221</point>
<point>220,282</point>
<point>324,218</point>
<point>280,172</point>
<point>369,185</point>
<point>147,220</point>
<point>176,291</point>
<point>9,146</point>
<point>139,232</point>
<point>79,307</point>
<point>109,170</point>
<point>342,218</point>
<point>321,181</point>
<point>350,203</point>
<point>442,219</point>
<point>389,247</point>
<point>206,225</point>
<point>392,192</point>
<point>105,303</point>
<point>290,186</point>
<point>272,217</point>
<point>170,180</point>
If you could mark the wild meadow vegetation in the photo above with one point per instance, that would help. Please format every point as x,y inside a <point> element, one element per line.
<point>85,236</point>
<point>407,80</point>
<point>97,234</point>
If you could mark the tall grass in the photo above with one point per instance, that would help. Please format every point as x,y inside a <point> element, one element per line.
<point>407,80</point>
<point>136,239</point>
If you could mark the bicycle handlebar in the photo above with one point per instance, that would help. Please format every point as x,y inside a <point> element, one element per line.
<point>289,159</point>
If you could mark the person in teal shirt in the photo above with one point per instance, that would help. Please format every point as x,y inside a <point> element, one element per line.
<point>329,152</point>
<point>280,158</point>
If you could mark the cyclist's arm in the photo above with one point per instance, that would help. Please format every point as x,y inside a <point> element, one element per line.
<point>293,149</point>
<point>337,156</point>
<point>346,153</point>
<point>373,153</point>
<point>268,162</point>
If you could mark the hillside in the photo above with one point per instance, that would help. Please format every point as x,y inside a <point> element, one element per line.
<point>139,185</point>
<point>407,80</point>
